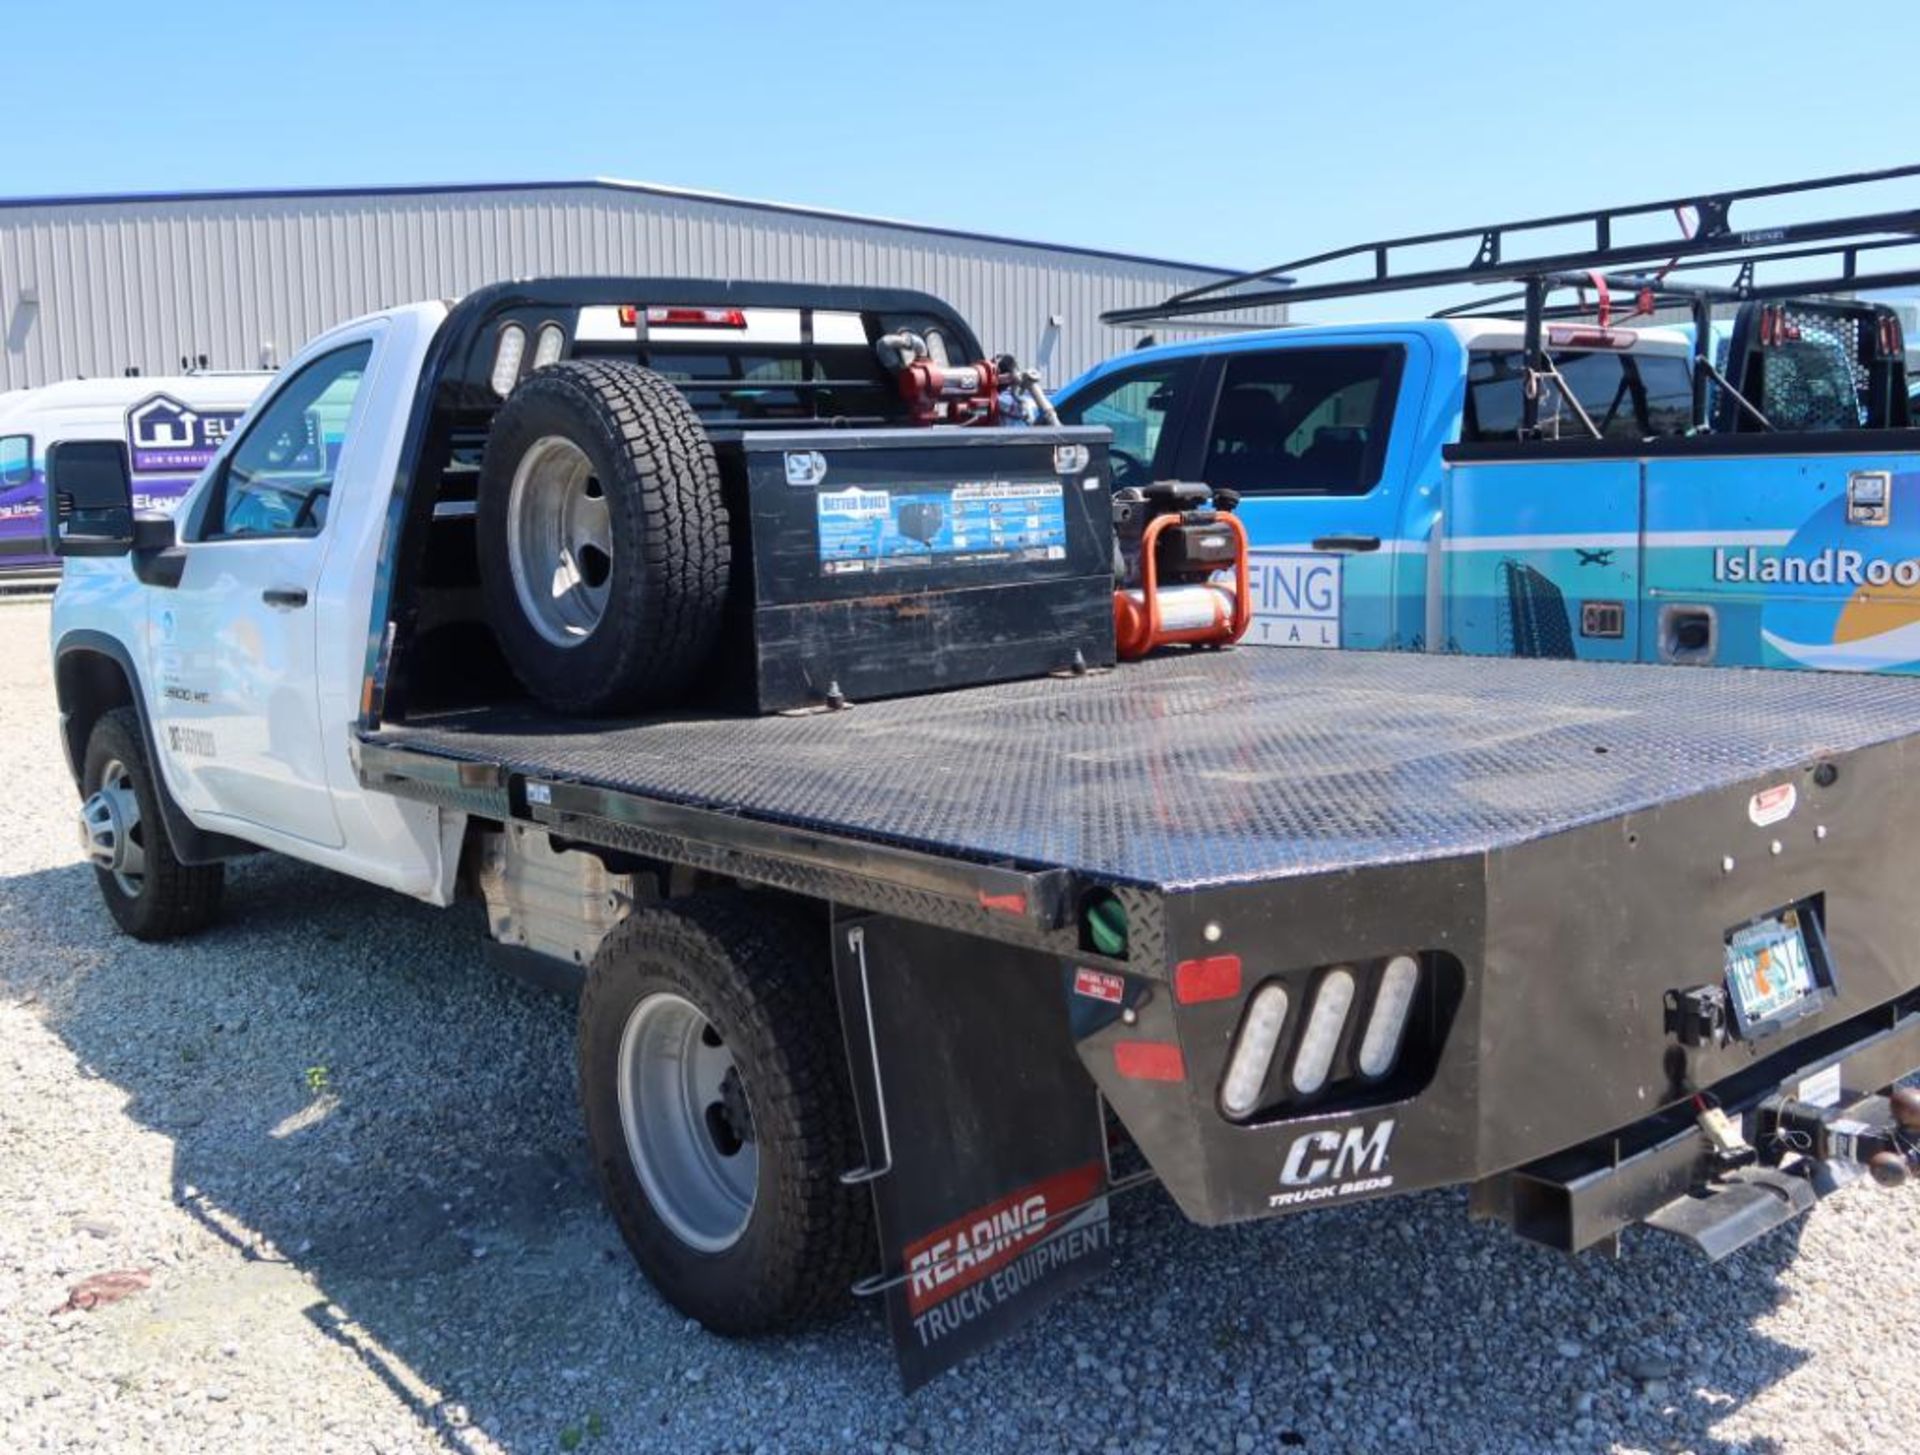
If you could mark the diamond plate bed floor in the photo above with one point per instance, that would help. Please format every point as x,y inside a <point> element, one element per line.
<point>1246,765</point>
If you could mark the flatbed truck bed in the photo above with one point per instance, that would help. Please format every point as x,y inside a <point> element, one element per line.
<point>1168,776</point>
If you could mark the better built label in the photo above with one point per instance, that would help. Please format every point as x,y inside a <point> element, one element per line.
<point>976,524</point>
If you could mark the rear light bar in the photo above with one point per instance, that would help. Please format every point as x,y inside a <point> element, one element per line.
<point>679,316</point>
<point>1349,1035</point>
<point>1620,340</point>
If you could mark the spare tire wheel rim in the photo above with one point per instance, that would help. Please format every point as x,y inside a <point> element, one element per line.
<point>559,541</point>
<point>688,1128</point>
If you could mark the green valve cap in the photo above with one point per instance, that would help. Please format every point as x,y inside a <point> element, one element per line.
<point>1107,926</point>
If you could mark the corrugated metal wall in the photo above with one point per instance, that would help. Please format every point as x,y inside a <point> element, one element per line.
<point>94,287</point>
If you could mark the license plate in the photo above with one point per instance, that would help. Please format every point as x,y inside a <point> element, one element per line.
<point>1768,969</point>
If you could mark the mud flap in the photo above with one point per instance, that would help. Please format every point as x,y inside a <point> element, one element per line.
<point>984,1135</point>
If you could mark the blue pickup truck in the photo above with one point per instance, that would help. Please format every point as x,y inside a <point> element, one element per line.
<point>1556,484</point>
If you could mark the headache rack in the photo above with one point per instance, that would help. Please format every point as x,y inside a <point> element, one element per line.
<point>1606,263</point>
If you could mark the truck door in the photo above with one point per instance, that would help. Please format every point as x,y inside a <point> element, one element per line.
<point>1317,440</point>
<point>234,642</point>
<point>1542,556</point>
<point>1543,536</point>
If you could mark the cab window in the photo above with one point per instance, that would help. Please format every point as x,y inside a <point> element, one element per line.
<point>1303,421</point>
<point>1136,404</point>
<point>1627,396</point>
<point>279,476</point>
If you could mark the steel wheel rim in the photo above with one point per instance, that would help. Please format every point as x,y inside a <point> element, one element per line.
<point>682,1105</point>
<point>559,541</point>
<point>111,831</point>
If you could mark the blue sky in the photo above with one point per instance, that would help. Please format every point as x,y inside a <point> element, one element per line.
<point>1236,133</point>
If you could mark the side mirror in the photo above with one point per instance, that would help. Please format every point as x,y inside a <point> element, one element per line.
<point>90,491</point>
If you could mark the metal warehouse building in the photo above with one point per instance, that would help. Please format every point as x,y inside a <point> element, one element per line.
<point>92,286</point>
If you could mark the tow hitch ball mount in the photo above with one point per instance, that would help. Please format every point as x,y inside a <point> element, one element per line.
<point>1881,1133</point>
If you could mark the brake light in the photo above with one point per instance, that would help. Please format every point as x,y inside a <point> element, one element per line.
<point>1619,340</point>
<point>1314,1059</point>
<point>678,316</point>
<point>1253,1052</point>
<point>1215,978</point>
<point>1392,1003</point>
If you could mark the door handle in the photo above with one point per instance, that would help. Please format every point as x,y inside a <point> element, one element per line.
<point>1346,543</point>
<point>285,597</point>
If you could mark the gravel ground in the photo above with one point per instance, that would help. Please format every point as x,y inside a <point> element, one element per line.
<point>350,1159</point>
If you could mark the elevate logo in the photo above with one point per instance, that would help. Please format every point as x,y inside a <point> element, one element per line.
<point>165,434</point>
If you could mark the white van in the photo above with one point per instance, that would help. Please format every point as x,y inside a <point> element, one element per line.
<point>171,426</point>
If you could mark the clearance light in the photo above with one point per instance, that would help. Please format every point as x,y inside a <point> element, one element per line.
<point>1392,1003</point>
<point>507,355</point>
<point>1253,1053</point>
<point>552,343</point>
<point>1314,1059</point>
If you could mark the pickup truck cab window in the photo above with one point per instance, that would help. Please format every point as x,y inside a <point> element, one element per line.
<point>1303,421</point>
<point>1628,396</point>
<point>280,475</point>
<point>1136,405</point>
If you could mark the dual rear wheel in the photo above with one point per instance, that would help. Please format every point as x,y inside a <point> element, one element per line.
<point>714,1083</point>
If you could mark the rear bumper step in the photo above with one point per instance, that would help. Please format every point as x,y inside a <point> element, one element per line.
<point>1731,1211</point>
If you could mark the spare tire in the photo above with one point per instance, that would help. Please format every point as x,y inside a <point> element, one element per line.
<point>603,545</point>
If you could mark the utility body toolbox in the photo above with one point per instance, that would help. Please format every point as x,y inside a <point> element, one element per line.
<point>896,561</point>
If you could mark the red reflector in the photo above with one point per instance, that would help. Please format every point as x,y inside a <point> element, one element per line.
<point>1149,1061</point>
<point>676,317</point>
<point>1215,978</point>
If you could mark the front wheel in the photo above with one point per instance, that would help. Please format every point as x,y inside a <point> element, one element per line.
<point>714,1084</point>
<point>150,893</point>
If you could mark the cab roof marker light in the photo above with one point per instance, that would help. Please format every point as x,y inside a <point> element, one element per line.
<point>1253,1052</point>
<point>551,343</point>
<point>507,355</point>
<point>1561,337</point>
<point>675,316</point>
<point>1331,1002</point>
<point>1392,1004</point>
